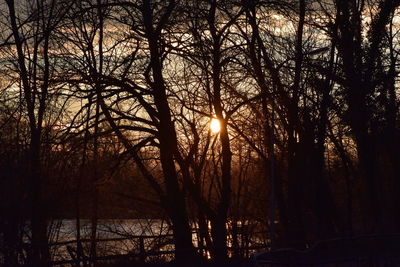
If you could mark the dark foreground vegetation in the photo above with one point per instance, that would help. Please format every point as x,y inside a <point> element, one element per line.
<point>105,112</point>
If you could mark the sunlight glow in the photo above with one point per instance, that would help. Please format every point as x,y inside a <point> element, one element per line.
<point>215,125</point>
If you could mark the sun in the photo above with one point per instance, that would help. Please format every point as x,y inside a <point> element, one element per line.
<point>215,125</point>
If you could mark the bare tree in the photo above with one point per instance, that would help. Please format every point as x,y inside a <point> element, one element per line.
<point>31,27</point>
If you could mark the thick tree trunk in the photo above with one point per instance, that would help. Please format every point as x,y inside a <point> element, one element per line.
<point>325,206</point>
<point>35,109</point>
<point>10,222</point>
<point>218,228</point>
<point>176,206</point>
<point>359,117</point>
<point>295,166</point>
<point>40,250</point>
<point>218,223</point>
<point>219,237</point>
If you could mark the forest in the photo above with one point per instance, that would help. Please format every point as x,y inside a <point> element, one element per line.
<point>214,118</point>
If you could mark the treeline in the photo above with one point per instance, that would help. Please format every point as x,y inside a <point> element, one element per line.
<point>102,92</point>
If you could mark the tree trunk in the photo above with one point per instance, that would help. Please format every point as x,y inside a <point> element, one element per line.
<point>295,167</point>
<point>40,250</point>
<point>176,206</point>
